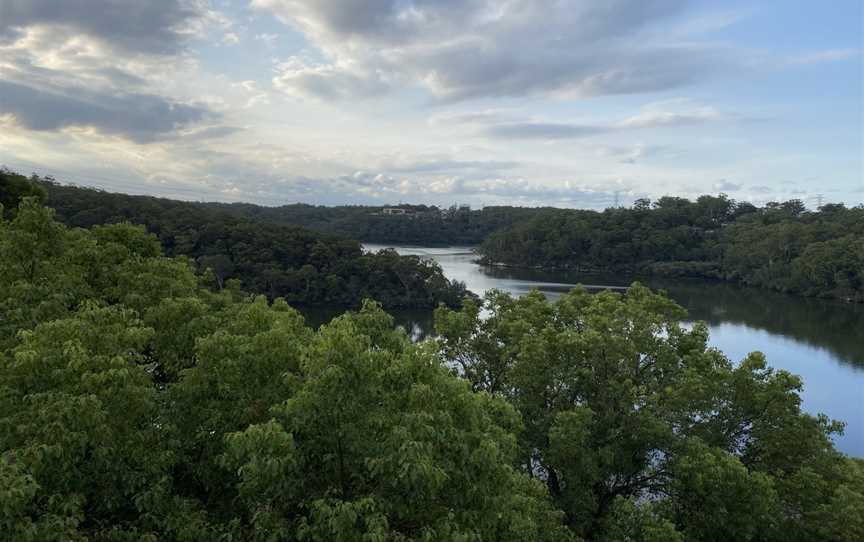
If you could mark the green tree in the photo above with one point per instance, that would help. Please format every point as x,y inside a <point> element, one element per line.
<point>77,427</point>
<point>624,407</point>
<point>136,404</point>
<point>14,188</point>
<point>381,442</point>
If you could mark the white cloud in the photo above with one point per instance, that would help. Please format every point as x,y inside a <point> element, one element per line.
<point>723,185</point>
<point>488,116</point>
<point>268,39</point>
<point>672,113</point>
<point>820,57</point>
<point>255,96</point>
<point>296,77</point>
<point>635,153</point>
<point>666,114</point>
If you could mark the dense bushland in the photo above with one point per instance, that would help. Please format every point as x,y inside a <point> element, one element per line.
<point>139,401</point>
<point>422,224</point>
<point>304,267</point>
<point>781,246</point>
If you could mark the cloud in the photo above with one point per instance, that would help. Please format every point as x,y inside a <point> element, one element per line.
<point>152,26</point>
<point>723,185</point>
<point>670,113</point>
<point>268,39</point>
<point>464,49</point>
<point>524,190</point>
<point>820,57</point>
<point>230,38</point>
<point>635,153</point>
<point>253,95</point>
<point>540,130</point>
<point>489,116</point>
<point>323,82</point>
<point>659,114</point>
<point>100,65</point>
<point>761,189</point>
<point>206,132</point>
<point>377,188</point>
<point>450,165</point>
<point>140,117</point>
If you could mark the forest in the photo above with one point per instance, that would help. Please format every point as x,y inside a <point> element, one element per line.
<point>139,400</point>
<point>781,246</point>
<point>420,224</point>
<point>305,267</point>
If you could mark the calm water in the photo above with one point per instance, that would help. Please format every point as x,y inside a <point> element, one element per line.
<point>821,341</point>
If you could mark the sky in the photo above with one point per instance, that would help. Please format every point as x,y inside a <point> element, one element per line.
<point>570,103</point>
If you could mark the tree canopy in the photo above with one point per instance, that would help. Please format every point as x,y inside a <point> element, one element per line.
<point>639,429</point>
<point>141,401</point>
<point>412,224</point>
<point>781,246</point>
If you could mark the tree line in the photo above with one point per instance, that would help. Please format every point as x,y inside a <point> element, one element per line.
<point>781,246</point>
<point>421,224</point>
<point>303,266</point>
<point>141,401</point>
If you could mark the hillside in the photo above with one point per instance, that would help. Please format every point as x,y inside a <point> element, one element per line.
<point>303,266</point>
<point>781,246</point>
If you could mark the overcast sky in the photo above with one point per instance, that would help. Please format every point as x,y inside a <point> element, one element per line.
<point>528,102</point>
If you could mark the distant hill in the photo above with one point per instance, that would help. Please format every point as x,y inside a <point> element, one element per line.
<point>304,266</point>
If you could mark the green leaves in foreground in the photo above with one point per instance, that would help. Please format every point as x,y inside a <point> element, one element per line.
<point>638,429</point>
<point>385,442</point>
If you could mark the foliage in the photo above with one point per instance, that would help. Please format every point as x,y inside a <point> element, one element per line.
<point>780,246</point>
<point>637,427</point>
<point>419,225</point>
<point>138,402</point>
<point>14,188</point>
<point>302,266</point>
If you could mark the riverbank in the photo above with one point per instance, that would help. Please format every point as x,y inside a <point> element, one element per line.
<point>709,271</point>
<point>817,339</point>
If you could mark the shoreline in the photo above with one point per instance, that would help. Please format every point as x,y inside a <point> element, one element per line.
<point>646,272</point>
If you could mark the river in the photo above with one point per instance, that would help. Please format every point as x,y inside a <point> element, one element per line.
<point>822,341</point>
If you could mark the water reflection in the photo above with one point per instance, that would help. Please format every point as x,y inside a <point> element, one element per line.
<point>832,325</point>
